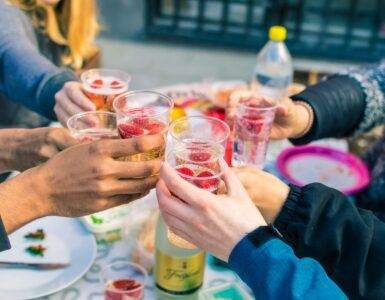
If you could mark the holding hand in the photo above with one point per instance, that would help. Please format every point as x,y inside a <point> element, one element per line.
<point>214,223</point>
<point>71,100</point>
<point>80,180</point>
<point>291,118</point>
<point>266,191</point>
<point>26,148</point>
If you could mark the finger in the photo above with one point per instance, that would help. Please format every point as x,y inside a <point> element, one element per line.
<point>134,186</point>
<point>61,115</point>
<point>233,184</point>
<point>125,147</point>
<point>176,223</point>
<point>78,97</point>
<point>184,235</point>
<point>62,138</point>
<point>281,111</point>
<point>118,200</point>
<point>183,189</point>
<point>142,169</point>
<point>67,104</point>
<point>172,205</point>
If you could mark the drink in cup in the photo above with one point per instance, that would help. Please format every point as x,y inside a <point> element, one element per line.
<point>142,113</point>
<point>102,86</point>
<point>124,280</point>
<point>200,131</point>
<point>199,166</point>
<point>93,125</point>
<point>252,125</point>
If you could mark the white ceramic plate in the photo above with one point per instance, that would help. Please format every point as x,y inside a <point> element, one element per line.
<point>67,241</point>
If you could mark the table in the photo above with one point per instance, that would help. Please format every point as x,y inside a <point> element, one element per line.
<point>90,288</point>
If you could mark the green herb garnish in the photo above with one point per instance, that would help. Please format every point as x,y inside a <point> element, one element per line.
<point>36,250</point>
<point>36,235</point>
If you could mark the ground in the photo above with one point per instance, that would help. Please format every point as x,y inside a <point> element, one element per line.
<point>156,63</point>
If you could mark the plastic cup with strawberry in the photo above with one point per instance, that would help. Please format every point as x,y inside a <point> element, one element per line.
<point>199,166</point>
<point>93,125</point>
<point>200,131</point>
<point>102,86</point>
<point>124,280</point>
<point>253,121</point>
<point>142,113</point>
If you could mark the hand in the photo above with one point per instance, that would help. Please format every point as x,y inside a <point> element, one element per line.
<point>25,148</point>
<point>290,119</point>
<point>80,180</point>
<point>71,100</point>
<point>267,192</point>
<point>214,223</point>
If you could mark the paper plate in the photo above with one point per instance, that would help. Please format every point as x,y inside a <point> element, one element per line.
<point>334,168</point>
<point>67,241</point>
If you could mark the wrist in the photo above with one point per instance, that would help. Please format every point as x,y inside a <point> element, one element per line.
<point>21,202</point>
<point>272,205</point>
<point>304,118</point>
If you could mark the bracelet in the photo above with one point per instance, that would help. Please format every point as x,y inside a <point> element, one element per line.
<point>309,125</point>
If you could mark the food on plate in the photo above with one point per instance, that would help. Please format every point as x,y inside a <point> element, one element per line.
<point>39,234</point>
<point>36,250</point>
<point>221,91</point>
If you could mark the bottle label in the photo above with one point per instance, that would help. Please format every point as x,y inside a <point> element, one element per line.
<point>179,275</point>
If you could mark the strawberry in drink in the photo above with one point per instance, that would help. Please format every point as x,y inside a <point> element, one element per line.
<point>252,125</point>
<point>124,289</point>
<point>141,113</point>
<point>199,166</point>
<point>102,86</point>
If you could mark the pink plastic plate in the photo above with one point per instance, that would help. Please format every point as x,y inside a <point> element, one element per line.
<point>334,168</point>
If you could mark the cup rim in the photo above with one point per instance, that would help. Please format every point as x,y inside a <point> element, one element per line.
<point>82,114</point>
<point>132,264</point>
<point>83,74</point>
<point>226,126</point>
<point>273,107</point>
<point>131,93</point>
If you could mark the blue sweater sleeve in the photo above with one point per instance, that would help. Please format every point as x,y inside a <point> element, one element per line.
<point>25,75</point>
<point>272,271</point>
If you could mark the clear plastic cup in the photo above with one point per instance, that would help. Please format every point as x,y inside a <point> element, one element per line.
<point>102,86</point>
<point>252,126</point>
<point>199,130</point>
<point>124,280</point>
<point>93,125</point>
<point>199,166</point>
<point>142,113</point>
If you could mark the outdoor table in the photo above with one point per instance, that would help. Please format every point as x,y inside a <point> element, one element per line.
<point>90,287</point>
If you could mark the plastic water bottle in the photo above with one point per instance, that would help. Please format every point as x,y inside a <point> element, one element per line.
<point>273,72</point>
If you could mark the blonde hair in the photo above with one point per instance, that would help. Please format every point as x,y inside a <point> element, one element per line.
<point>72,23</point>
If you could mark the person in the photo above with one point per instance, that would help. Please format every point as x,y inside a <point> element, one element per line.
<point>346,237</point>
<point>80,187</point>
<point>64,31</point>
<point>231,227</point>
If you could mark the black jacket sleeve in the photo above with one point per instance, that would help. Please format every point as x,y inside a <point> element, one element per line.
<point>338,104</point>
<point>349,242</point>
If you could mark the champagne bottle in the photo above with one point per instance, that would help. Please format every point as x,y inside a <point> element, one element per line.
<point>178,271</point>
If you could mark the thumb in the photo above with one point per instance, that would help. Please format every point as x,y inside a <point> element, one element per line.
<point>282,110</point>
<point>233,184</point>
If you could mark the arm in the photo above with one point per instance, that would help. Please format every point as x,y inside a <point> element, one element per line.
<point>273,271</point>
<point>26,76</point>
<point>81,187</point>
<point>345,104</point>
<point>219,224</point>
<point>22,149</point>
<point>322,223</point>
